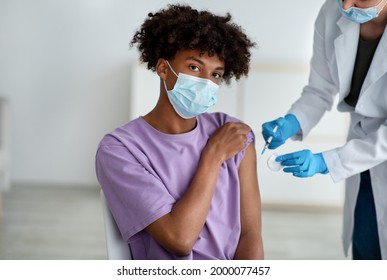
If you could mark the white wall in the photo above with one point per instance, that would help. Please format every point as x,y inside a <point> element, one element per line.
<point>65,67</point>
<point>4,146</point>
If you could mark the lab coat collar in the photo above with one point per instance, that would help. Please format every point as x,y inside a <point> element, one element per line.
<point>345,49</point>
<point>378,66</point>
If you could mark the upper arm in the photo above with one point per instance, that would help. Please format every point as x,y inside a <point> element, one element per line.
<point>250,197</point>
<point>250,242</point>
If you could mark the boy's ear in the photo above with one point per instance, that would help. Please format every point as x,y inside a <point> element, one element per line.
<point>162,68</point>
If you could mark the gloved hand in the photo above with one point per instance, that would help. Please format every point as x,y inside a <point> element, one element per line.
<point>303,163</point>
<point>287,127</point>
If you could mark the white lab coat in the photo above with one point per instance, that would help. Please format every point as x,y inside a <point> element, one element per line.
<point>334,53</point>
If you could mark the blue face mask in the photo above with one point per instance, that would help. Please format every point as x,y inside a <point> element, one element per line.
<point>360,15</point>
<point>192,96</point>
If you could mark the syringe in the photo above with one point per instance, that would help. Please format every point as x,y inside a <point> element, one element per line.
<point>267,143</point>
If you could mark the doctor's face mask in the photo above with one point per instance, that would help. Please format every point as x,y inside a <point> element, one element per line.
<point>191,96</point>
<point>361,15</point>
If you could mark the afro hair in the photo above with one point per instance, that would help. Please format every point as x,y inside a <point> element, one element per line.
<point>180,27</point>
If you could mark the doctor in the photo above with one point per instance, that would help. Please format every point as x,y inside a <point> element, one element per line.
<point>349,58</point>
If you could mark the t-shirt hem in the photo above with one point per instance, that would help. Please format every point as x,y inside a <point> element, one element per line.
<point>133,234</point>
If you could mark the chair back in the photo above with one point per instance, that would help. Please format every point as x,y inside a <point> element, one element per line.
<point>117,248</point>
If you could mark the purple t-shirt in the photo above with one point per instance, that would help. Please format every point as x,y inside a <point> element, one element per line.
<point>144,172</point>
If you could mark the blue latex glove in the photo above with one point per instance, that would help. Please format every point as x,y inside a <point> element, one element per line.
<point>288,126</point>
<point>303,163</point>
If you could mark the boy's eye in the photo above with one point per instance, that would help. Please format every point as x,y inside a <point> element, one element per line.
<point>217,75</point>
<point>194,68</point>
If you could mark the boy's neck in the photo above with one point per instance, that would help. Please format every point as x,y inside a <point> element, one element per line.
<point>169,122</point>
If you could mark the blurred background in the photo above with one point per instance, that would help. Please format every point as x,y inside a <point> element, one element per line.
<point>68,76</point>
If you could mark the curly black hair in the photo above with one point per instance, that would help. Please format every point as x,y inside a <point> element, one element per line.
<point>180,27</point>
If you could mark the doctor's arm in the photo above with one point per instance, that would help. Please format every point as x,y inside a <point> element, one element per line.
<point>358,155</point>
<point>318,95</point>
<point>250,244</point>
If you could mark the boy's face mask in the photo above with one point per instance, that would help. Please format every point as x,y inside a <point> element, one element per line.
<point>192,96</point>
<point>360,15</point>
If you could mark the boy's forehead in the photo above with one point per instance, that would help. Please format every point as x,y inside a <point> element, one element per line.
<point>184,55</point>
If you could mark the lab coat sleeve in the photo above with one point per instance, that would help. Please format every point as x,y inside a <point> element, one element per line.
<point>318,96</point>
<point>357,155</point>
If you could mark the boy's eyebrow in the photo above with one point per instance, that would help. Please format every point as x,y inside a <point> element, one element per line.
<point>201,62</point>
